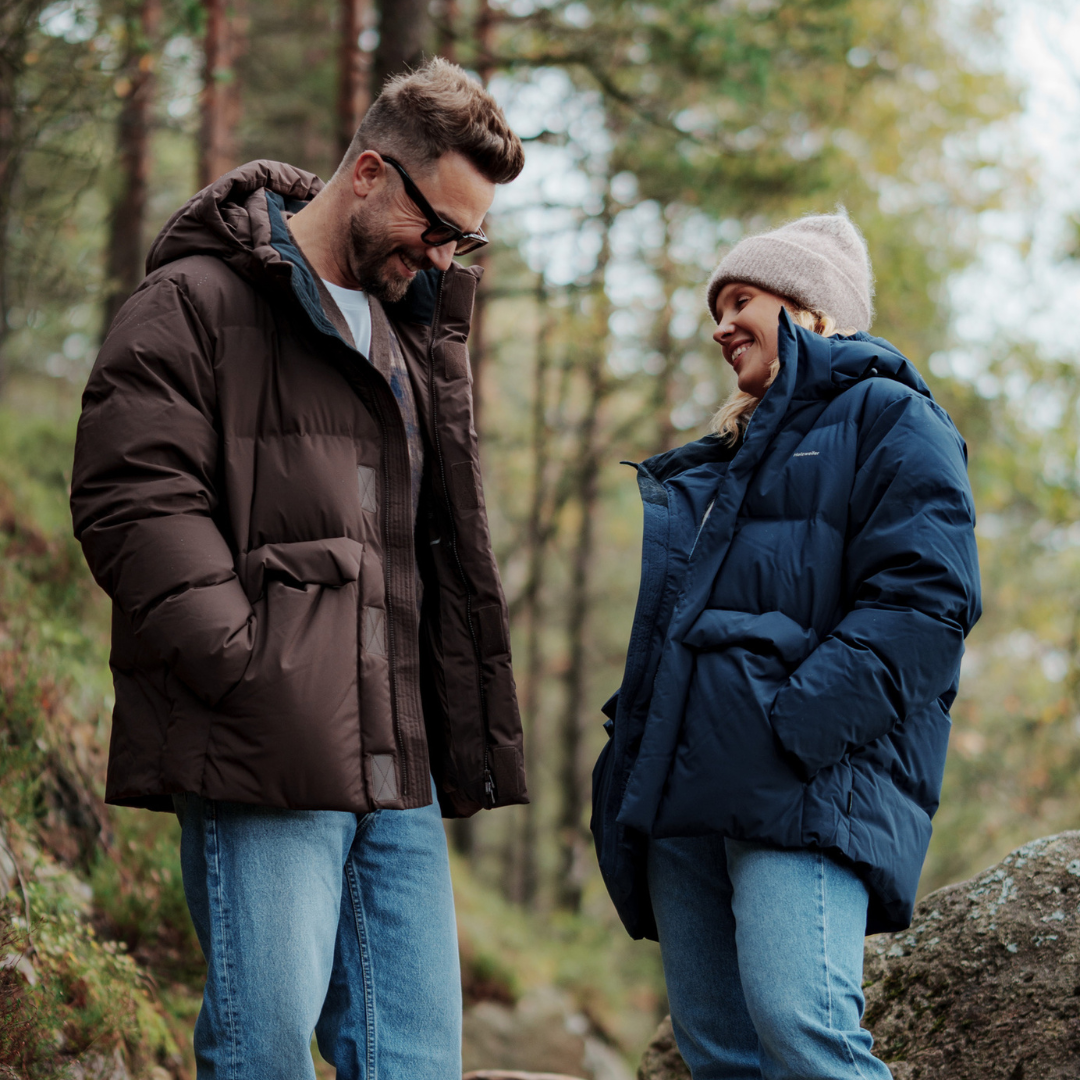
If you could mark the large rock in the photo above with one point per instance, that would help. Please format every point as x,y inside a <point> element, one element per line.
<point>985,985</point>
<point>662,1060</point>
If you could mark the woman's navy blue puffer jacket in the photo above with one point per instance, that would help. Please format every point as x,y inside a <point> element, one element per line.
<point>799,629</point>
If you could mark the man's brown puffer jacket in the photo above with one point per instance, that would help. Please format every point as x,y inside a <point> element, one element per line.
<point>242,492</point>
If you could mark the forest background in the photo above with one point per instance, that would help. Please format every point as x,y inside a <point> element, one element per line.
<point>657,134</point>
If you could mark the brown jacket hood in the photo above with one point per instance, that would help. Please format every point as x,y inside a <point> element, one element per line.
<point>242,490</point>
<point>230,220</point>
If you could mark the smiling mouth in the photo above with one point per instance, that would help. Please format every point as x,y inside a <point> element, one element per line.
<point>409,265</point>
<point>737,352</point>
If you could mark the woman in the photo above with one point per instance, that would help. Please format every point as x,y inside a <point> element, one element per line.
<point>809,575</point>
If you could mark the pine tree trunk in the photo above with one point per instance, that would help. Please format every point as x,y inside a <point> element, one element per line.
<point>573,836</point>
<point>536,539</point>
<point>446,25</point>
<point>223,45</point>
<point>484,27</point>
<point>9,142</point>
<point>664,344</point>
<point>124,263</point>
<point>404,30</point>
<point>354,75</point>
<point>485,41</point>
<point>17,21</point>
<point>463,836</point>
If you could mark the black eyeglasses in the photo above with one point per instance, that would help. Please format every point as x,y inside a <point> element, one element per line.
<point>440,232</point>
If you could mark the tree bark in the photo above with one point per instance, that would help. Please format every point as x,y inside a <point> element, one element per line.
<point>484,27</point>
<point>463,837</point>
<point>404,31</point>
<point>446,24</point>
<point>354,75</point>
<point>664,343</point>
<point>124,262</point>
<point>223,44</point>
<point>571,831</point>
<point>573,836</point>
<point>485,40</point>
<point>17,21</point>
<point>536,539</point>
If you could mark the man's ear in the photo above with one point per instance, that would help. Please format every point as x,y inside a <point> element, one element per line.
<point>368,172</point>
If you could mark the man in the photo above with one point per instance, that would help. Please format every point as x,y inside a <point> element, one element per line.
<point>276,480</point>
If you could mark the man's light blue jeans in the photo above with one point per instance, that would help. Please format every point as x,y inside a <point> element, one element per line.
<point>763,958</point>
<point>327,922</point>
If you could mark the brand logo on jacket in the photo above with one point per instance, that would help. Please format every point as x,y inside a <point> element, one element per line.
<point>807,453</point>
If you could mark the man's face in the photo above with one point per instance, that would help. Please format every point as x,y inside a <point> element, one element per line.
<point>383,246</point>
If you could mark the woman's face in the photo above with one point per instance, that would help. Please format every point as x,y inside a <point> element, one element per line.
<point>748,318</point>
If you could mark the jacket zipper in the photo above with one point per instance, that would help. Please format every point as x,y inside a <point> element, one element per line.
<point>390,641</point>
<point>641,631</point>
<point>489,782</point>
<point>390,644</point>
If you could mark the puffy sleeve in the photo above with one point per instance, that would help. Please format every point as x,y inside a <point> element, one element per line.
<point>911,582</point>
<point>144,492</point>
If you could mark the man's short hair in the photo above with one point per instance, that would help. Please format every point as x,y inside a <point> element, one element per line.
<point>437,108</point>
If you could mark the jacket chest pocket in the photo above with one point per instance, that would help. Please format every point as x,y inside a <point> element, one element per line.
<point>302,671</point>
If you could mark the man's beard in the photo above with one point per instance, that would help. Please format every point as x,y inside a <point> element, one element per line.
<point>368,254</point>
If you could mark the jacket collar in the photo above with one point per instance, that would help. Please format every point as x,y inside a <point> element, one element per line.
<point>824,367</point>
<point>816,368</point>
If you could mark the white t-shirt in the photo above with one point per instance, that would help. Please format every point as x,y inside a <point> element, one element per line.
<point>354,306</point>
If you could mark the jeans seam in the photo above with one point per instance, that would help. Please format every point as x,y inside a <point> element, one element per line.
<point>367,977</point>
<point>825,938</point>
<point>828,970</point>
<point>219,911</point>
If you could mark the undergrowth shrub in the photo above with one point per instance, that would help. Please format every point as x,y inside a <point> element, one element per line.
<point>17,1015</point>
<point>66,996</point>
<point>73,1001</point>
<point>139,896</point>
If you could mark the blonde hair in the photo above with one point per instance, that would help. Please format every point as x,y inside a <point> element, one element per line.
<point>730,420</point>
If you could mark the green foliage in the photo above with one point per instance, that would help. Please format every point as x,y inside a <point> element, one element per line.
<point>89,1002</point>
<point>16,1020</point>
<point>53,145</point>
<point>139,896</point>
<point>74,997</point>
<point>288,74</point>
<point>48,593</point>
<point>1072,243</point>
<point>1014,764</point>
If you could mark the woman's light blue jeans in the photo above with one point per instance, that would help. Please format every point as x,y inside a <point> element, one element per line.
<point>327,922</point>
<point>763,958</point>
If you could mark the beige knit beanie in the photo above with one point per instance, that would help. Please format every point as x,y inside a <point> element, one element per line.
<point>820,262</point>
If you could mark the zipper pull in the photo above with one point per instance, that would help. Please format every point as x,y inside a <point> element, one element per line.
<point>489,786</point>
